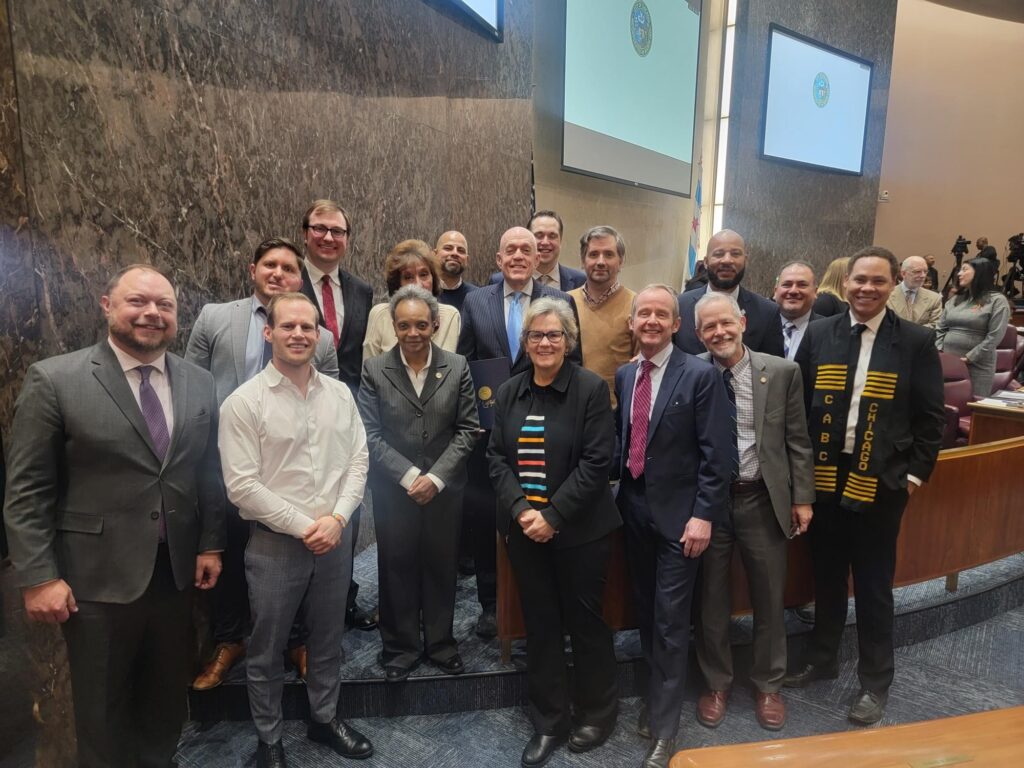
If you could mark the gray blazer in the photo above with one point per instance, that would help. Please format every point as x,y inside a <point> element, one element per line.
<point>85,488</point>
<point>780,430</point>
<point>218,339</point>
<point>435,431</point>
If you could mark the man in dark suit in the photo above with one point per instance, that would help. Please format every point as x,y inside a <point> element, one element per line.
<point>547,227</point>
<point>491,321</point>
<point>873,390</point>
<point>114,509</point>
<point>452,253</point>
<point>771,502</point>
<point>344,310</point>
<point>227,340</point>
<point>674,455</point>
<point>726,262</point>
<point>796,288</point>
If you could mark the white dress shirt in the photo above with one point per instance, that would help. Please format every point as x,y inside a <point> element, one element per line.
<point>289,460</point>
<point>657,374</point>
<point>159,380</point>
<point>315,277</point>
<point>418,380</point>
<point>734,291</point>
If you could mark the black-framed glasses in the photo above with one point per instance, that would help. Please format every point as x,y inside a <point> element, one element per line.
<point>321,231</point>
<point>535,337</point>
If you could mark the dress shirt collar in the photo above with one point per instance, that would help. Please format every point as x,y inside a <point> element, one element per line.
<point>734,292</point>
<point>739,368</point>
<point>873,324</point>
<point>659,358</point>
<point>907,291</point>
<point>257,305</point>
<point>128,362</point>
<point>316,275</point>
<point>275,378</point>
<point>800,322</point>
<point>430,358</point>
<point>509,290</point>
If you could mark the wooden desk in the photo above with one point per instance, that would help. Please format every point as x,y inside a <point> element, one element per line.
<point>992,739</point>
<point>993,422</point>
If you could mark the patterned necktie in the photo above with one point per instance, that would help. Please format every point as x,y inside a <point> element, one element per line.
<point>514,325</point>
<point>787,332</point>
<point>268,350</point>
<point>640,421</point>
<point>330,314</point>
<point>156,422</point>
<point>727,376</point>
<point>911,296</point>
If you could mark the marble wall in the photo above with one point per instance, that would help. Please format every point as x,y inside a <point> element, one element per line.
<point>785,212</point>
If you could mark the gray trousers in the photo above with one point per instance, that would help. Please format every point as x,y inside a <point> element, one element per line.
<point>283,576</point>
<point>753,527</point>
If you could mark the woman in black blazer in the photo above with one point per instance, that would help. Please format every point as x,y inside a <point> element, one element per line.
<point>549,457</point>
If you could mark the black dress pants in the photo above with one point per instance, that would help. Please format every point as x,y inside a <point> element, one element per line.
<point>865,542</point>
<point>229,599</point>
<point>129,671</point>
<point>562,590</point>
<point>479,504</point>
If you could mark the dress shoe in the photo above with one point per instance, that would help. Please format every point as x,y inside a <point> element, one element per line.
<point>487,624</point>
<point>587,737</point>
<point>809,673</point>
<point>394,673</point>
<point>711,708</point>
<point>342,738</point>
<point>539,749</point>
<point>357,618</point>
<point>224,657</point>
<point>270,755</point>
<point>770,710</point>
<point>659,753</point>
<point>643,723</point>
<point>868,707</point>
<point>805,613</point>
<point>298,659</point>
<point>450,666</point>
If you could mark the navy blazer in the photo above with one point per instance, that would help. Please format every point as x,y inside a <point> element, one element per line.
<point>357,297</point>
<point>764,323</point>
<point>483,334</point>
<point>568,278</point>
<point>690,448</point>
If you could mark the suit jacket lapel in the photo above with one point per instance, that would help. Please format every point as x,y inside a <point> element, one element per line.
<point>395,372</point>
<point>759,382</point>
<point>349,302</point>
<point>112,378</point>
<point>673,370</point>
<point>497,303</point>
<point>309,293</point>
<point>240,321</point>
<point>626,406</point>
<point>439,370</point>
<point>179,397</point>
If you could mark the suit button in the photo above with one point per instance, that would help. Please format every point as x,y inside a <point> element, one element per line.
<point>154,515</point>
<point>424,435</point>
<point>418,414</point>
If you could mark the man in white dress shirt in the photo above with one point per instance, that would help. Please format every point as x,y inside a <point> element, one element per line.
<point>294,455</point>
<point>795,291</point>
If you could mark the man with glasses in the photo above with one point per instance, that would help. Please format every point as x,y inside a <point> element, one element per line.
<point>911,300</point>
<point>343,305</point>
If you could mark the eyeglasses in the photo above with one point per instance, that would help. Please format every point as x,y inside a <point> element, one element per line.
<point>535,337</point>
<point>321,231</point>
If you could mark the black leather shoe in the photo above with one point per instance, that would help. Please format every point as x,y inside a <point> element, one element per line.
<point>342,738</point>
<point>450,666</point>
<point>587,737</point>
<point>357,618</point>
<point>868,707</point>
<point>394,673</point>
<point>659,753</point>
<point>540,748</point>
<point>487,624</point>
<point>809,673</point>
<point>643,723</point>
<point>270,755</point>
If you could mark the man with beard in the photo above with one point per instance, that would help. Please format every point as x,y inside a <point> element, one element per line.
<point>726,261</point>
<point>910,299</point>
<point>452,254</point>
<point>114,510</point>
<point>795,292</point>
<point>547,228</point>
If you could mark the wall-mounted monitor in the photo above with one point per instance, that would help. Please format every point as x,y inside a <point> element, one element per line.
<point>630,91</point>
<point>489,14</point>
<point>816,104</point>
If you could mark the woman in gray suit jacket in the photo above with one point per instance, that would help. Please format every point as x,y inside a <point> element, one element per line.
<point>420,415</point>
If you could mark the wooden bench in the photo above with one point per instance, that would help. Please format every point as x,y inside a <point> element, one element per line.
<point>991,739</point>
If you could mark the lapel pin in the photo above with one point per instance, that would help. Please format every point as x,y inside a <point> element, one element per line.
<point>764,379</point>
<point>437,375</point>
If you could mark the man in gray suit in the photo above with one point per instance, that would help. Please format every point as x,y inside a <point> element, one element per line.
<point>227,340</point>
<point>114,509</point>
<point>772,493</point>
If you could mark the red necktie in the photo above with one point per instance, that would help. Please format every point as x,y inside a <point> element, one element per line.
<point>639,421</point>
<point>330,316</point>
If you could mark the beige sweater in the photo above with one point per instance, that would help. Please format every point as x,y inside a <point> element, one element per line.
<point>604,331</point>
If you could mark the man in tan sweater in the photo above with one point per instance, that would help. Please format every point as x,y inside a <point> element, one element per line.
<point>604,305</point>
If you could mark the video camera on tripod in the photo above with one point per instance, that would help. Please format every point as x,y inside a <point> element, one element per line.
<point>1015,259</point>
<point>959,250</point>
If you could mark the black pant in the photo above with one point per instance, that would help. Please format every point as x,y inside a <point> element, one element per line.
<point>129,671</point>
<point>229,599</point>
<point>866,542</point>
<point>663,585</point>
<point>479,505</point>
<point>562,589</point>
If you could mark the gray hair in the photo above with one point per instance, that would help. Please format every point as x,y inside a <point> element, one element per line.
<point>657,287</point>
<point>711,297</point>
<point>414,293</point>
<point>549,305</point>
<point>603,231</point>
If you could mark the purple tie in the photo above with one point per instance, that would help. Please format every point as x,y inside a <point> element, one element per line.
<point>640,421</point>
<point>156,422</point>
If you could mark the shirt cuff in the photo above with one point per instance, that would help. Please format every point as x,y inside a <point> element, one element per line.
<point>409,477</point>
<point>915,480</point>
<point>436,481</point>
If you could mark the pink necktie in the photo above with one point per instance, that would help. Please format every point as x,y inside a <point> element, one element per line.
<point>639,421</point>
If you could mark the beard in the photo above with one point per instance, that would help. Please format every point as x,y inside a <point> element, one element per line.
<point>125,334</point>
<point>453,268</point>
<point>726,284</point>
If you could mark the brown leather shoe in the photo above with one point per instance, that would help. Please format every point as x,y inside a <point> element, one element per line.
<point>224,657</point>
<point>770,710</point>
<point>298,657</point>
<point>711,708</point>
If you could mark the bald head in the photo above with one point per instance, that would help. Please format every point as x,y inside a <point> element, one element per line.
<point>452,254</point>
<point>913,271</point>
<point>726,260</point>
<point>517,256</point>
